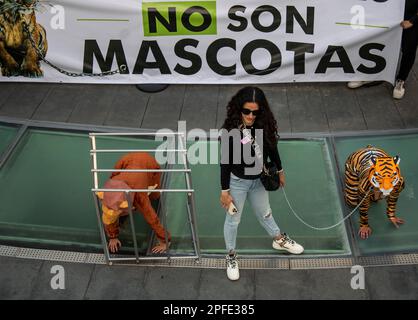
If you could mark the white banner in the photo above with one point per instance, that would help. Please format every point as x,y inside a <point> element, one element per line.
<point>214,41</point>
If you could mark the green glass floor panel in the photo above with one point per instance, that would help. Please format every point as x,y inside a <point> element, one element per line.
<point>46,195</point>
<point>311,189</point>
<point>385,237</point>
<point>7,133</point>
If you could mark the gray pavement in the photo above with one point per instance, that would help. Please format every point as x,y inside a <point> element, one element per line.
<point>30,279</point>
<point>299,108</point>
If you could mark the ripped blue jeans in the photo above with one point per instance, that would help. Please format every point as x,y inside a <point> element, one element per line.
<point>240,189</point>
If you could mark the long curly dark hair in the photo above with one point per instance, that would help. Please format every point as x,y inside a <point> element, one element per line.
<point>265,120</point>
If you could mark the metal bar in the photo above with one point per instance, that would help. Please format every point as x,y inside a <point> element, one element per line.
<point>134,150</point>
<point>163,207</point>
<point>140,170</point>
<point>97,207</point>
<point>132,225</point>
<point>12,146</point>
<point>123,259</point>
<point>163,184</point>
<point>164,220</point>
<point>101,228</point>
<point>191,209</point>
<point>136,133</point>
<point>141,190</point>
<point>153,258</point>
<point>194,224</point>
<point>94,158</point>
<point>184,256</point>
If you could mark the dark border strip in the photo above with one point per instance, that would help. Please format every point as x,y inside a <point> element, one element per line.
<point>12,145</point>
<point>285,135</point>
<point>216,262</point>
<point>70,126</point>
<point>350,228</point>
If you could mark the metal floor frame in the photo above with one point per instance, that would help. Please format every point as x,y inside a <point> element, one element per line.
<point>208,260</point>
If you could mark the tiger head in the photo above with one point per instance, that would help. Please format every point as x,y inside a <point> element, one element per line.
<point>384,173</point>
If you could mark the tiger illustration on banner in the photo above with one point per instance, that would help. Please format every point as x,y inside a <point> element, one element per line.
<point>23,41</point>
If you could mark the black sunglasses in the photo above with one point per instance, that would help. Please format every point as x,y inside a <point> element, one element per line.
<point>248,111</point>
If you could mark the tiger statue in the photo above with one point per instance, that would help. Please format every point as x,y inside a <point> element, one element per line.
<point>19,33</point>
<point>372,174</point>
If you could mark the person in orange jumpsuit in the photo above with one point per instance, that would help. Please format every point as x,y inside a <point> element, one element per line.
<point>115,204</point>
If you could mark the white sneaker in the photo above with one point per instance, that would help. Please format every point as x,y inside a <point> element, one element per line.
<point>357,84</point>
<point>232,270</point>
<point>285,243</point>
<point>399,90</point>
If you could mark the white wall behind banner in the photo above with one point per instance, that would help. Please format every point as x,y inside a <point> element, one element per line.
<point>213,41</point>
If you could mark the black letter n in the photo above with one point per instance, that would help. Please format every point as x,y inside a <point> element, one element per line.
<point>170,25</point>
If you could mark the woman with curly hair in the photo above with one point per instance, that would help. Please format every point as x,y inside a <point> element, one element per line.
<point>249,128</point>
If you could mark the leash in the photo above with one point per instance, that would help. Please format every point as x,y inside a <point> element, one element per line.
<point>323,228</point>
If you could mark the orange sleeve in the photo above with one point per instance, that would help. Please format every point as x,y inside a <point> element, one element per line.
<point>151,216</point>
<point>145,205</point>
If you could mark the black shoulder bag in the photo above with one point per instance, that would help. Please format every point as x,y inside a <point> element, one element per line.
<point>269,177</point>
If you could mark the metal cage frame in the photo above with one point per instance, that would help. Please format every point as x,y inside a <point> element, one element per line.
<point>189,191</point>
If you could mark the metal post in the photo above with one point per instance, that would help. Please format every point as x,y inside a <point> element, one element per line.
<point>164,221</point>
<point>94,157</point>
<point>164,216</point>
<point>102,233</point>
<point>96,203</point>
<point>190,199</point>
<point>161,207</point>
<point>132,225</point>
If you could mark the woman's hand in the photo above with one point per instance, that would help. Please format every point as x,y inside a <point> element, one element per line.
<point>114,245</point>
<point>282,178</point>
<point>226,199</point>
